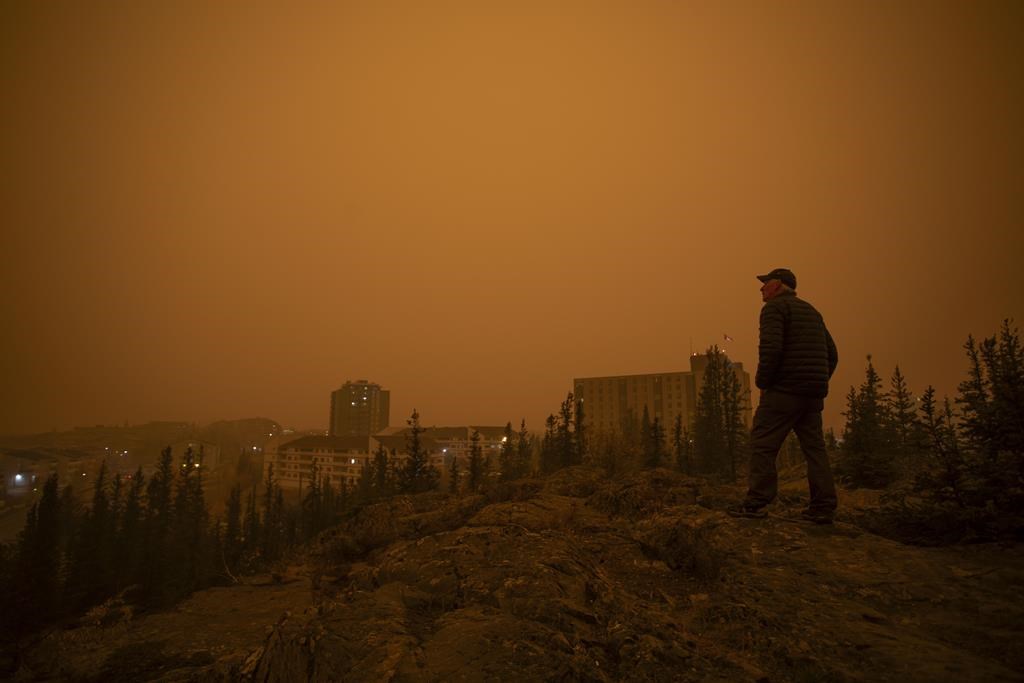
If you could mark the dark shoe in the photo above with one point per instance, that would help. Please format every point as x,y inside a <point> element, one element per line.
<point>747,510</point>
<point>816,516</point>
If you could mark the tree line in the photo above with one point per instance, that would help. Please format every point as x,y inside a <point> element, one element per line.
<point>967,452</point>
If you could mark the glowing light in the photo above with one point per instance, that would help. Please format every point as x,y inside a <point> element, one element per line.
<point>18,478</point>
<point>504,439</point>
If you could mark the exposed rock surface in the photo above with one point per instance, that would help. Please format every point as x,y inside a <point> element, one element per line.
<point>578,578</point>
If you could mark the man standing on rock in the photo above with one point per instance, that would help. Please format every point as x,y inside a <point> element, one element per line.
<point>796,360</point>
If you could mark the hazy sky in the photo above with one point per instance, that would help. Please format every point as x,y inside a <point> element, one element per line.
<point>219,210</point>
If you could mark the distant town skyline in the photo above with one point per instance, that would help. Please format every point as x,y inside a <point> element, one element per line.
<point>216,211</point>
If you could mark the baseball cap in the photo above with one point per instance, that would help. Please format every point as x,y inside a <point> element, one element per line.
<point>784,274</point>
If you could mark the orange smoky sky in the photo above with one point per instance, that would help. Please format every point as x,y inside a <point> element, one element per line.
<point>219,210</point>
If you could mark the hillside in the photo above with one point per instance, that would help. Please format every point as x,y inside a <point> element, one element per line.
<point>578,578</point>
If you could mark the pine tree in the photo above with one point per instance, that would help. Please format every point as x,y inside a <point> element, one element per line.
<point>158,557</point>
<point>901,410</point>
<point>38,563</point>
<point>867,444</point>
<point>364,485</point>
<point>677,443</point>
<point>732,416</point>
<point>190,524</point>
<point>524,451</point>
<point>655,443</point>
<point>549,453</point>
<point>91,575</point>
<point>580,432</point>
<point>709,435</point>
<point>131,539</point>
<point>273,521</point>
<point>253,534</point>
<point>453,477</point>
<point>418,474</point>
<point>381,473</point>
<point>567,452</point>
<point>477,465</point>
<point>232,540</point>
<point>950,473</point>
<point>507,460</point>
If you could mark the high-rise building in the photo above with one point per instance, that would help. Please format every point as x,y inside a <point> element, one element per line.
<point>359,409</point>
<point>610,401</point>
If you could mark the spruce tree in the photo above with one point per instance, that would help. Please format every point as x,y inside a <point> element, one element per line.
<point>524,451</point>
<point>507,460</point>
<point>710,443</point>
<point>37,567</point>
<point>233,534</point>
<point>732,412</point>
<point>453,477</point>
<point>476,463</point>
<point>901,410</point>
<point>418,474</point>
<point>945,480</point>
<point>549,452</point>
<point>655,444</point>
<point>867,444</point>
<point>131,539</point>
<point>364,485</point>
<point>580,433</point>
<point>381,473</point>
<point>567,452</point>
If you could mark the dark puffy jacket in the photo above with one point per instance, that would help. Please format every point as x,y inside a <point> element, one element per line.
<point>796,353</point>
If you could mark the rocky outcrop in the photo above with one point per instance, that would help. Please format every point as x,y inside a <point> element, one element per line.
<point>579,578</point>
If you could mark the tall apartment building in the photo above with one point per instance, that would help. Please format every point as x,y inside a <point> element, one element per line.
<point>609,401</point>
<point>359,409</point>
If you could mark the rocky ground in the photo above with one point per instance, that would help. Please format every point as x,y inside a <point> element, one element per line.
<point>579,578</point>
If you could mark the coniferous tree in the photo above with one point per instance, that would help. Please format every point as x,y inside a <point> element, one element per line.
<point>567,452</point>
<point>272,526</point>
<point>453,476</point>
<point>38,563</point>
<point>91,575</point>
<point>677,443</point>
<point>655,443</point>
<point>867,444</point>
<point>549,452</point>
<point>311,512</point>
<point>732,420</point>
<point>418,474</point>
<point>190,524</point>
<point>946,480</point>
<point>253,535</point>
<point>524,451</point>
<point>709,432</point>
<point>901,409</point>
<point>381,473</point>
<point>131,540</point>
<point>233,534</point>
<point>364,485</point>
<point>158,557</point>
<point>580,434</point>
<point>477,466</point>
<point>507,460</point>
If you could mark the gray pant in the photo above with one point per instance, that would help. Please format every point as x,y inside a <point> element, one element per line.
<point>777,415</point>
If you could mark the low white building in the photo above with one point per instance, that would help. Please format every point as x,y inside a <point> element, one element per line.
<point>338,458</point>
